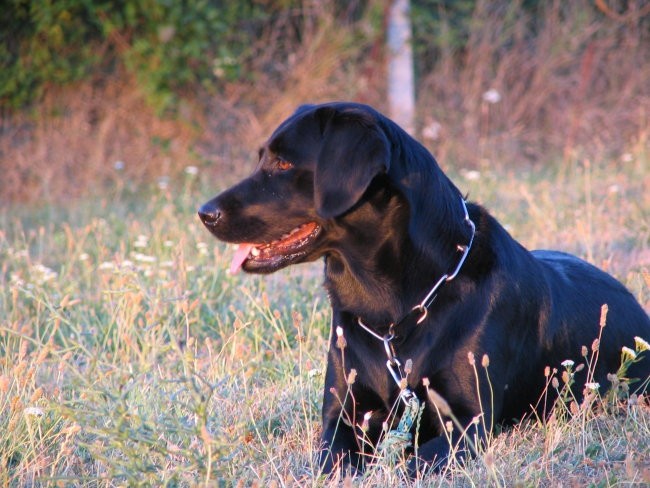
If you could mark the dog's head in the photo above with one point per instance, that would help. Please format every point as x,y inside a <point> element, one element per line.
<point>314,168</point>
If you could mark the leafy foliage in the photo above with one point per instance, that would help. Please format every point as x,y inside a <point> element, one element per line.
<point>169,46</point>
<point>43,43</point>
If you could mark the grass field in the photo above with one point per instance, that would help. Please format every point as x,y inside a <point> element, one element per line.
<point>129,356</point>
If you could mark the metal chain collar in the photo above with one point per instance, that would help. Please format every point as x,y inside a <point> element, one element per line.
<point>393,364</point>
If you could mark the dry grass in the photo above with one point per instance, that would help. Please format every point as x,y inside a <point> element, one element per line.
<point>130,356</point>
<point>70,146</point>
<point>578,87</point>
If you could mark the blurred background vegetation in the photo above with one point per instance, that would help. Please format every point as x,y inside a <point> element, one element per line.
<point>94,93</point>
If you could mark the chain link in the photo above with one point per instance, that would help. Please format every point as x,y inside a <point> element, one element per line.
<point>393,364</point>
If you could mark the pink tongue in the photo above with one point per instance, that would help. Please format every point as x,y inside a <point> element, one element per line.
<point>241,253</point>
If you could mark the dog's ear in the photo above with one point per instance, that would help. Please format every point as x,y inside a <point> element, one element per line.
<point>354,150</point>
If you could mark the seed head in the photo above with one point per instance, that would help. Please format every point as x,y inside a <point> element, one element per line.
<point>4,384</point>
<point>297,319</point>
<point>352,376</point>
<point>470,357</point>
<point>603,315</point>
<point>485,361</point>
<point>365,424</point>
<point>341,343</point>
<point>38,393</point>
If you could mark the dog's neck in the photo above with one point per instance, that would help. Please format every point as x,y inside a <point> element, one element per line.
<point>381,281</point>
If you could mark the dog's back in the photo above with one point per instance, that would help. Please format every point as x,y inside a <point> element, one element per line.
<point>584,299</point>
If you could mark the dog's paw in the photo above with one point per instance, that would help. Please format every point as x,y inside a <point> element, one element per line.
<point>333,464</point>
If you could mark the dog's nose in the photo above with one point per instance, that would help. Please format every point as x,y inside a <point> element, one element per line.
<point>209,214</point>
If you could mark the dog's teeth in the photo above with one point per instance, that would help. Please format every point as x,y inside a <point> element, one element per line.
<point>255,252</point>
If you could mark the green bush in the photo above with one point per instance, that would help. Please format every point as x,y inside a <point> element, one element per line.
<point>169,46</point>
<point>44,42</point>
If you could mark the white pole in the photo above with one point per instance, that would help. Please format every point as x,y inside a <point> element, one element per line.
<point>401,85</point>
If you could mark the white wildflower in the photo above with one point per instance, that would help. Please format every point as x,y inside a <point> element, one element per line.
<point>143,258</point>
<point>492,96</point>
<point>592,386</point>
<point>106,266</point>
<point>16,280</point>
<point>43,274</point>
<point>118,165</point>
<point>34,411</point>
<point>203,248</point>
<point>432,130</point>
<point>614,189</point>
<point>163,182</point>
<point>471,174</point>
<point>141,241</point>
<point>628,353</point>
<point>192,170</point>
<point>567,363</point>
<point>627,157</point>
<point>641,344</point>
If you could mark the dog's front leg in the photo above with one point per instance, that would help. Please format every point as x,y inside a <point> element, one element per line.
<point>339,448</point>
<point>436,453</point>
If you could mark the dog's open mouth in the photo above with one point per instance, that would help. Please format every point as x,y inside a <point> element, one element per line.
<point>267,257</point>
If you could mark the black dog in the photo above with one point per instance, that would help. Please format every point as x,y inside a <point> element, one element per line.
<point>343,182</point>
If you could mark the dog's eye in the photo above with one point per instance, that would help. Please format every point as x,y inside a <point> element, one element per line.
<point>283,165</point>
